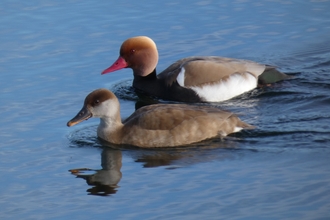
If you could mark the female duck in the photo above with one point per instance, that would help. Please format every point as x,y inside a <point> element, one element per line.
<point>192,79</point>
<point>160,125</point>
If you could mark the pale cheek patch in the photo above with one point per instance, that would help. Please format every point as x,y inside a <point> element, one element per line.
<point>108,108</point>
<point>227,89</point>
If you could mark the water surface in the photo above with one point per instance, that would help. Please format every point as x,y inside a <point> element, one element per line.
<point>51,57</point>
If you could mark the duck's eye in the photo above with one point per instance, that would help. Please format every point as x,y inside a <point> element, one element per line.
<point>96,102</point>
<point>132,51</point>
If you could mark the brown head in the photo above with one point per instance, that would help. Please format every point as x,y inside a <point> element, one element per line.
<point>100,103</point>
<point>138,53</point>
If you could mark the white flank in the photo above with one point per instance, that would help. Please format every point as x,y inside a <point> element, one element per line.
<point>237,129</point>
<point>224,90</point>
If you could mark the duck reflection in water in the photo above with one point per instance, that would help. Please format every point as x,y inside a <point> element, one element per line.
<point>104,181</point>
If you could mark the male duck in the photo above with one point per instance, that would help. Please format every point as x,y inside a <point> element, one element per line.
<point>192,79</point>
<point>160,125</point>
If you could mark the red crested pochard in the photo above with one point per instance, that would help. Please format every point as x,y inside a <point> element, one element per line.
<point>159,125</point>
<point>192,79</point>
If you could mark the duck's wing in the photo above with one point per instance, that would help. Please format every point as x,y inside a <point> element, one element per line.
<point>169,116</point>
<point>198,71</point>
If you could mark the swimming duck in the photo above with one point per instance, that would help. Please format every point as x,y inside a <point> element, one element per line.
<point>159,125</point>
<point>191,79</point>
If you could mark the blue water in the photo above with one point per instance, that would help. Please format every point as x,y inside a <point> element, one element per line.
<point>51,56</point>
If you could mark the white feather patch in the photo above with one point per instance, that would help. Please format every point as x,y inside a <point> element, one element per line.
<point>180,77</point>
<point>237,129</point>
<point>227,89</point>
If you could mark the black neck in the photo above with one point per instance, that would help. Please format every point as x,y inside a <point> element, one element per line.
<point>150,77</point>
<point>158,87</point>
<point>148,84</point>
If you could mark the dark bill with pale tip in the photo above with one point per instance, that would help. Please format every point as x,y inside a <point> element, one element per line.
<point>83,114</point>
